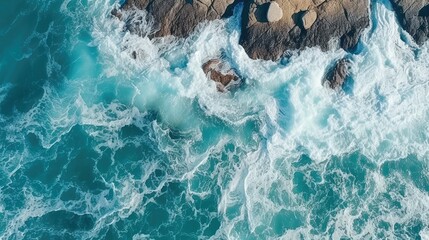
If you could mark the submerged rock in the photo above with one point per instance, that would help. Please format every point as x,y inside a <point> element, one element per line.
<point>305,23</point>
<point>337,75</point>
<point>221,73</point>
<point>414,17</point>
<point>117,13</point>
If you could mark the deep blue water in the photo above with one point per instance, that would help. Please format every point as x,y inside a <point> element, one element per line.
<point>97,145</point>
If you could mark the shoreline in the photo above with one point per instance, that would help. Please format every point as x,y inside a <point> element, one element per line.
<point>298,24</point>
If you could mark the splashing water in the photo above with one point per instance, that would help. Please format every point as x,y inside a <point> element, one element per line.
<point>98,145</point>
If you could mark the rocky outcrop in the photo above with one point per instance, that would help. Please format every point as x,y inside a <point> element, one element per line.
<point>271,27</point>
<point>337,75</point>
<point>180,17</point>
<point>305,23</point>
<point>220,72</point>
<point>413,15</point>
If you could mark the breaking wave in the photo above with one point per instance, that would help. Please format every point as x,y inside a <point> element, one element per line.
<point>100,145</point>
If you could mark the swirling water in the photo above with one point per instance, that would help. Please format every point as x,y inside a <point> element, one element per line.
<point>97,145</point>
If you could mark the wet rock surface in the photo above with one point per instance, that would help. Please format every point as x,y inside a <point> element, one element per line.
<point>337,75</point>
<point>221,73</point>
<point>414,17</point>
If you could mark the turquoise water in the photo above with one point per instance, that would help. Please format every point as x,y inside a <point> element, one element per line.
<point>97,145</point>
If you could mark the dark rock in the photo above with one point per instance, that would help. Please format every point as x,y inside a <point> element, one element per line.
<point>115,12</point>
<point>180,17</point>
<point>221,73</point>
<point>337,75</point>
<point>413,15</point>
<point>305,23</point>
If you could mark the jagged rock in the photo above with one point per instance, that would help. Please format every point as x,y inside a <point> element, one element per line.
<point>337,75</point>
<point>180,17</point>
<point>413,15</point>
<point>221,73</point>
<point>305,23</point>
<point>274,13</point>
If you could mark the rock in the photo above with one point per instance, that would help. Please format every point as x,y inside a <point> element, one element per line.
<point>115,12</point>
<point>305,23</point>
<point>414,17</point>
<point>180,17</point>
<point>269,28</point>
<point>337,75</point>
<point>221,73</point>
<point>274,13</point>
<point>309,18</point>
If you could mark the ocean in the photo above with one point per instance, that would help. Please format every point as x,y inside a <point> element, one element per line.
<point>97,145</point>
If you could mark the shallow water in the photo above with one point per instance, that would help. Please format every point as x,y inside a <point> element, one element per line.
<point>97,145</point>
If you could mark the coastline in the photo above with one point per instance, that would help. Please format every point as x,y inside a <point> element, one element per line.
<point>300,24</point>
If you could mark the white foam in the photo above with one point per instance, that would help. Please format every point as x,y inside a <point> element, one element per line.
<point>384,117</point>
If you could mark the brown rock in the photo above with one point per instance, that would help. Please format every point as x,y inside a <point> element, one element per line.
<point>413,15</point>
<point>180,17</point>
<point>337,75</point>
<point>221,73</point>
<point>268,28</point>
<point>305,23</point>
<point>309,18</point>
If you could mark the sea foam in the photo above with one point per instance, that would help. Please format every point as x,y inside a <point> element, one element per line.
<point>148,147</point>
